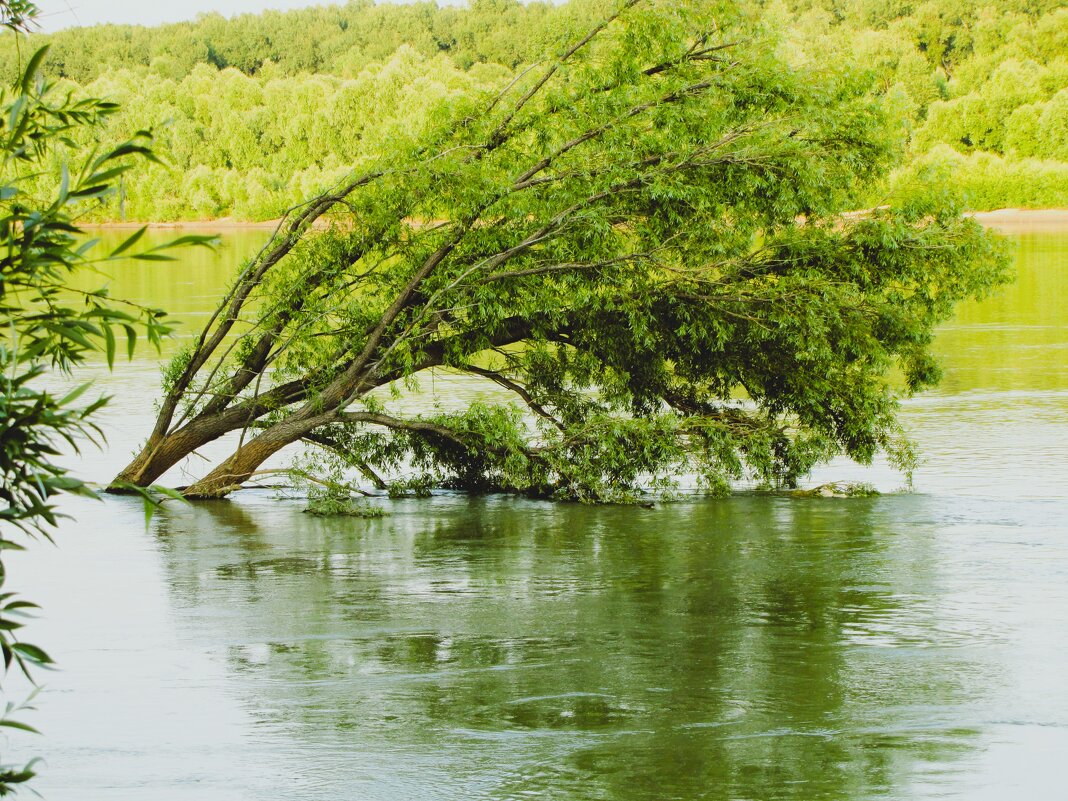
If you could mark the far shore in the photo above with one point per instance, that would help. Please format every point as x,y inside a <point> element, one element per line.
<point>1009,220</point>
<point>1023,220</point>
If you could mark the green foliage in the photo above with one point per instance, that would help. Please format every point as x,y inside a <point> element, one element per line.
<point>645,242</point>
<point>837,489</point>
<point>983,79</point>
<point>172,370</point>
<point>989,181</point>
<point>253,146</point>
<point>339,40</point>
<point>256,113</point>
<point>45,324</point>
<point>326,504</point>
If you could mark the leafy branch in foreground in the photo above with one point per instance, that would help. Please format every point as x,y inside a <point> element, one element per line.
<point>643,242</point>
<point>44,325</point>
<point>18,15</point>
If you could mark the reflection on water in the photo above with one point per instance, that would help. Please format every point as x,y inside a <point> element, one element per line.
<point>1015,341</point>
<point>188,288</point>
<point>496,648</point>
<point>903,647</point>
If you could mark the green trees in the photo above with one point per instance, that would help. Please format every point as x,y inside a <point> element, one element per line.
<point>252,146</point>
<point>342,39</point>
<point>255,111</point>
<point>642,241</point>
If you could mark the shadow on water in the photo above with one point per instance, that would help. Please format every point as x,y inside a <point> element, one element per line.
<point>495,648</point>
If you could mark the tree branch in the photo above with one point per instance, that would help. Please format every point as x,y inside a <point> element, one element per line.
<point>518,389</point>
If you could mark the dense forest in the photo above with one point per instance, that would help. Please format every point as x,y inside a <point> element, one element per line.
<point>255,113</point>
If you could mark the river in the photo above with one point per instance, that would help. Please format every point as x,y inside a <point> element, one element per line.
<point>909,646</point>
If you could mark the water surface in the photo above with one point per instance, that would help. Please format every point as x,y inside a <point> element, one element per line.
<point>902,647</point>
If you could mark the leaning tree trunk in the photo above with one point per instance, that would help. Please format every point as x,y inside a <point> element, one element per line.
<point>241,465</point>
<point>161,453</point>
<point>165,449</point>
<point>221,396</point>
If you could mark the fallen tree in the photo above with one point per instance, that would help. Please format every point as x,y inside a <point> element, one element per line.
<point>642,241</point>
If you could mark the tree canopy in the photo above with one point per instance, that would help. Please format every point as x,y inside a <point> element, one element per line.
<point>255,113</point>
<point>643,239</point>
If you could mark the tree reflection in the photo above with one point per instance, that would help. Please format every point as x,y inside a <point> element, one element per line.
<point>750,648</point>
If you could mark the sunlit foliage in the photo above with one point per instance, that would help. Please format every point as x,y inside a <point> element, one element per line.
<point>257,112</point>
<point>643,240</point>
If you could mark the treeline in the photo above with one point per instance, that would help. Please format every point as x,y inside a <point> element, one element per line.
<point>259,111</point>
<point>982,88</point>
<point>333,39</point>
<point>251,146</point>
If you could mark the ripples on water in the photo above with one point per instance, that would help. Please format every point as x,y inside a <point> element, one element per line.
<point>904,647</point>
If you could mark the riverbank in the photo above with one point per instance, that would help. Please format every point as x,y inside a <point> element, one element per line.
<point>1023,220</point>
<point>1010,220</point>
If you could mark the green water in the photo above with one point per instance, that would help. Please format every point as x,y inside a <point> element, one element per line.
<point>903,647</point>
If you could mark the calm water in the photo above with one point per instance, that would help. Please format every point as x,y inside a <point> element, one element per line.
<point>905,647</point>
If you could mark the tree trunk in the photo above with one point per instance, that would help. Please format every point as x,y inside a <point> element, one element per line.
<point>243,463</point>
<point>156,458</point>
<point>164,451</point>
<point>160,454</point>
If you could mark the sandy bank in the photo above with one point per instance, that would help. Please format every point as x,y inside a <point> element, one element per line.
<point>1020,221</point>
